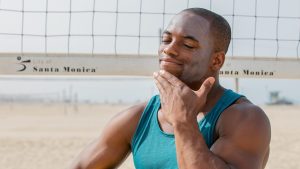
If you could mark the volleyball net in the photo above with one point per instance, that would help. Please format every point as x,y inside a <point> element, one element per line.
<point>121,37</point>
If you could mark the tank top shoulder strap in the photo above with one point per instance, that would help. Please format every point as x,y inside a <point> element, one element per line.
<point>209,122</point>
<point>144,122</point>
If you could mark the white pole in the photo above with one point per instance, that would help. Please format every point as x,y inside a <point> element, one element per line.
<point>237,85</point>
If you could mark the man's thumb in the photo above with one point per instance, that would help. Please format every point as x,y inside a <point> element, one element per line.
<point>206,87</point>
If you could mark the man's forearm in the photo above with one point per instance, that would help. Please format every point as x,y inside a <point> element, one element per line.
<point>192,151</point>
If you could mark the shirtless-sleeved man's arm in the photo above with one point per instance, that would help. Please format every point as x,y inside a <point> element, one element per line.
<point>113,146</point>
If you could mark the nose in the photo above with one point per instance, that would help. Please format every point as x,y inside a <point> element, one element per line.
<point>171,50</point>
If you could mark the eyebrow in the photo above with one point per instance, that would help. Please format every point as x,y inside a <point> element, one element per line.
<point>185,37</point>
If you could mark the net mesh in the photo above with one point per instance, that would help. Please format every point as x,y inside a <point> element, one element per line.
<point>260,28</point>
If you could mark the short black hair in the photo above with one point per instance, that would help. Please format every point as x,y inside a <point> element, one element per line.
<point>219,27</point>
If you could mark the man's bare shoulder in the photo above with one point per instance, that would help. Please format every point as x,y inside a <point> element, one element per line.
<point>126,121</point>
<point>130,113</point>
<point>244,119</point>
<point>243,132</point>
<point>112,147</point>
<point>245,111</point>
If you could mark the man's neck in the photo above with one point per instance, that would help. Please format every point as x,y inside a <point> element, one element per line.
<point>213,96</point>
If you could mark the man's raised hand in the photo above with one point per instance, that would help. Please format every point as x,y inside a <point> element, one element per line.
<point>179,103</point>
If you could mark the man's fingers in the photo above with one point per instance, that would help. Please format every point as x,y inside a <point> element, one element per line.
<point>166,85</point>
<point>158,84</point>
<point>205,87</point>
<point>171,78</point>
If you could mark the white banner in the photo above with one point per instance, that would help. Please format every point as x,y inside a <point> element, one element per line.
<point>75,64</point>
<point>247,67</point>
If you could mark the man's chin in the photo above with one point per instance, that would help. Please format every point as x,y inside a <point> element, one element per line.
<point>173,72</point>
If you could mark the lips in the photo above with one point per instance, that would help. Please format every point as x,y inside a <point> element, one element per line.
<point>170,61</point>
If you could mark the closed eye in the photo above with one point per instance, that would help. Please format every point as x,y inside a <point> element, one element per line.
<point>165,41</point>
<point>190,47</point>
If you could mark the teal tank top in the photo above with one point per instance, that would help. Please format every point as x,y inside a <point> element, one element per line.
<point>154,149</point>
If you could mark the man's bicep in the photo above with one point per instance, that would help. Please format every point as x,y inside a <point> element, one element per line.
<point>246,143</point>
<point>235,157</point>
<point>113,145</point>
<point>101,155</point>
<point>107,151</point>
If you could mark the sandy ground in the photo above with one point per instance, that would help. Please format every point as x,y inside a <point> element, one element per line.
<point>47,136</point>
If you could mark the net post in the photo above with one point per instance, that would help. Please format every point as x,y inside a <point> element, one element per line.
<point>236,84</point>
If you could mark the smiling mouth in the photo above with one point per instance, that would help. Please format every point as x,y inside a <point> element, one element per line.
<point>167,61</point>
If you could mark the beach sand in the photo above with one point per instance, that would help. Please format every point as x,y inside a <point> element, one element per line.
<point>47,136</point>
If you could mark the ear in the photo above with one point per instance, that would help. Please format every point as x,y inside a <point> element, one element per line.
<point>218,59</point>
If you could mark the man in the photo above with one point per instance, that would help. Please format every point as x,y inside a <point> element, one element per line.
<point>194,122</point>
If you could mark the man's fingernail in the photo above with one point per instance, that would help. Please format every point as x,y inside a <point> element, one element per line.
<point>212,80</point>
<point>154,74</point>
<point>162,71</point>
